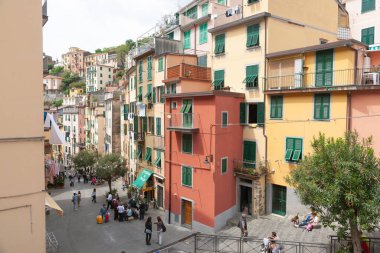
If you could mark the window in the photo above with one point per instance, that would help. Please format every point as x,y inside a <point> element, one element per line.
<point>101,75</point>
<point>126,111</point>
<point>149,68</point>
<point>101,82</point>
<point>368,5</point>
<point>171,36</point>
<point>224,164</point>
<point>249,154</point>
<point>293,149</point>
<point>219,43</point>
<point>324,68</point>
<point>218,79</point>
<point>140,71</point>
<point>224,119</point>
<point>251,76</point>
<point>255,113</point>
<point>192,12</point>
<point>101,68</point>
<point>144,124</point>
<point>187,143</point>
<point>252,1</point>
<point>222,2</point>
<point>139,152</point>
<point>160,64</point>
<point>322,106</point>
<point>148,155</point>
<point>158,126</point>
<point>202,61</point>
<point>139,95</point>
<point>174,105</point>
<point>204,9</point>
<point>368,35</point>
<point>187,176</point>
<point>151,125</point>
<point>203,33</point>
<point>148,94</point>
<point>157,162</point>
<point>276,104</point>
<point>161,90</point>
<point>173,87</point>
<point>186,39</point>
<point>253,35</point>
<point>154,95</point>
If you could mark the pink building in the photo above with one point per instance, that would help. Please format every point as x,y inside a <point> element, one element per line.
<point>203,138</point>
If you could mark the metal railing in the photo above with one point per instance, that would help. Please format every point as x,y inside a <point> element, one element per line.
<point>183,121</point>
<point>219,243</point>
<point>252,168</point>
<point>158,142</point>
<point>140,137</point>
<point>372,244</point>
<point>345,77</point>
<point>189,71</point>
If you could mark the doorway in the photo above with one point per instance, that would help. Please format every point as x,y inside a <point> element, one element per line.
<point>160,196</point>
<point>279,199</point>
<point>187,213</point>
<point>246,198</point>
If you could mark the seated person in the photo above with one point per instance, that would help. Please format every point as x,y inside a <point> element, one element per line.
<point>275,247</point>
<point>268,241</point>
<point>312,220</point>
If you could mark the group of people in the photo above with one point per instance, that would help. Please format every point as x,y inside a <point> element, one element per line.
<point>76,200</point>
<point>311,220</point>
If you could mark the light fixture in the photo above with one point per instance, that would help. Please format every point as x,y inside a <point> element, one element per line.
<point>208,159</point>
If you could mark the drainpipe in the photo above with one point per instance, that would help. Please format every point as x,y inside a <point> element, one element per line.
<point>195,39</point>
<point>349,109</point>
<point>264,127</point>
<point>170,166</point>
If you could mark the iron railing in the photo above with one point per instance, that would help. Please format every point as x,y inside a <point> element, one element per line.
<point>183,121</point>
<point>158,142</point>
<point>189,71</point>
<point>251,168</point>
<point>345,77</point>
<point>372,244</point>
<point>223,244</point>
<point>139,137</point>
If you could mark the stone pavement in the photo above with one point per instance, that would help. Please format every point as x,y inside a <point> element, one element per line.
<point>77,231</point>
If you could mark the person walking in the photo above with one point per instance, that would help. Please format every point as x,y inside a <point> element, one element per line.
<point>79,176</point>
<point>75,201</point>
<point>121,210</point>
<point>243,223</point>
<point>93,195</point>
<point>109,201</point>
<point>79,198</point>
<point>148,230</point>
<point>85,178</point>
<point>103,211</point>
<point>160,225</point>
<point>115,206</point>
<point>142,211</point>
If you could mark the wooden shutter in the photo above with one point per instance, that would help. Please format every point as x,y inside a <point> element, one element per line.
<point>368,5</point>
<point>249,152</point>
<point>317,107</point>
<point>158,126</point>
<point>325,108</point>
<point>186,40</point>
<point>260,114</point>
<point>145,124</point>
<point>289,147</point>
<point>319,69</point>
<point>243,113</point>
<point>328,79</point>
<point>135,124</point>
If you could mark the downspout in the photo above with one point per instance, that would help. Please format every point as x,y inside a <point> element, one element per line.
<point>195,39</point>
<point>349,109</point>
<point>264,127</point>
<point>170,166</point>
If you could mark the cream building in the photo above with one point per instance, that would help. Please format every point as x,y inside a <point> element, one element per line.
<point>22,203</point>
<point>98,76</point>
<point>52,84</point>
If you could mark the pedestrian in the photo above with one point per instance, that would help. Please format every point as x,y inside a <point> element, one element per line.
<point>75,201</point>
<point>109,201</point>
<point>142,211</point>
<point>148,230</point>
<point>243,223</point>
<point>85,178</point>
<point>115,206</point>
<point>79,198</point>
<point>121,210</point>
<point>160,225</point>
<point>79,176</point>
<point>93,195</point>
<point>103,211</point>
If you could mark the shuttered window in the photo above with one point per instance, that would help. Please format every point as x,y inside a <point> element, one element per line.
<point>249,154</point>
<point>158,126</point>
<point>253,35</point>
<point>218,79</point>
<point>276,105</point>
<point>368,5</point>
<point>252,1</point>
<point>255,113</point>
<point>204,9</point>
<point>368,35</point>
<point>243,113</point>
<point>324,68</point>
<point>202,61</point>
<point>293,149</point>
<point>139,95</point>
<point>192,12</point>
<point>219,43</point>
<point>140,71</point>
<point>154,94</point>
<point>148,155</point>
<point>126,111</point>
<point>148,94</point>
<point>149,76</point>
<point>322,106</point>
<point>251,76</point>
<point>162,92</point>
<point>187,143</point>
<point>144,124</point>
<point>157,162</point>
<point>224,164</point>
<point>224,119</point>
<point>187,176</point>
<point>203,33</point>
<point>223,2</point>
<point>160,64</point>
<point>186,40</point>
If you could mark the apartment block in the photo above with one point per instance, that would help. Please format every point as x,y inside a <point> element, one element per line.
<point>74,60</point>
<point>98,76</point>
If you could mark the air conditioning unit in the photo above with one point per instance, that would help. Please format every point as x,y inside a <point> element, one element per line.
<point>371,78</point>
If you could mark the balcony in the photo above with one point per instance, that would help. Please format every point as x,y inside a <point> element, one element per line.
<point>186,71</point>
<point>160,46</point>
<point>249,169</point>
<point>158,142</point>
<point>330,80</point>
<point>236,14</point>
<point>139,137</point>
<point>183,122</point>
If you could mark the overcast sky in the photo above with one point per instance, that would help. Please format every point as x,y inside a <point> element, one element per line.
<point>92,24</point>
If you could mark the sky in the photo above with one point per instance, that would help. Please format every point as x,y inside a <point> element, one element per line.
<point>92,24</point>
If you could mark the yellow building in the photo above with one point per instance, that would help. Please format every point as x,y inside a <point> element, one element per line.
<point>22,189</point>
<point>307,92</point>
<point>76,91</point>
<point>240,42</point>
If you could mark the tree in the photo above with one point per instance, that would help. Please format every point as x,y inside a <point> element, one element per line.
<point>123,49</point>
<point>79,84</point>
<point>57,103</point>
<point>341,180</point>
<point>97,51</point>
<point>56,71</point>
<point>110,167</point>
<point>85,159</point>
<point>68,78</point>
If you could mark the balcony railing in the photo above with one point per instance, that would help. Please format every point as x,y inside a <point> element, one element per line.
<point>346,77</point>
<point>139,137</point>
<point>251,169</point>
<point>183,122</point>
<point>235,14</point>
<point>190,72</point>
<point>158,142</point>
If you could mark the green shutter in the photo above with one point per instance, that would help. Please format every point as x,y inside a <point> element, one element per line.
<point>297,149</point>
<point>251,76</point>
<point>202,61</point>
<point>186,40</point>
<point>139,95</point>
<point>260,114</point>
<point>218,79</point>
<point>322,106</point>
<point>289,148</point>
<point>162,92</point>
<point>140,71</point>
<point>187,176</point>
<point>126,111</point>
<point>135,124</point>
<point>224,165</point>
<point>154,95</point>
<point>368,35</point>
<point>148,155</point>
<point>148,94</point>
<point>276,107</point>
<point>243,113</point>
<point>223,2</point>
<point>160,64</point>
<point>187,143</point>
<point>203,33</point>
<point>368,5</point>
<point>224,119</point>
<point>249,154</point>
<point>253,35</point>
<point>204,9</point>
<point>158,126</point>
<point>149,74</point>
<point>324,68</point>
<point>145,124</point>
<point>219,44</point>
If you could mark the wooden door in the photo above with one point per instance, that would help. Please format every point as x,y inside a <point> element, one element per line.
<point>187,212</point>
<point>279,200</point>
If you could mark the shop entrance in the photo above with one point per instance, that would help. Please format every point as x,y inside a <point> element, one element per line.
<point>246,198</point>
<point>187,213</point>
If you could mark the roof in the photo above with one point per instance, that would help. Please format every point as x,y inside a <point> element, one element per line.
<point>205,94</point>
<point>239,22</point>
<point>331,45</point>
<point>196,22</point>
<point>52,77</point>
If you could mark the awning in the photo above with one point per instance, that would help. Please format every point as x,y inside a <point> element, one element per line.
<point>49,201</point>
<point>142,178</point>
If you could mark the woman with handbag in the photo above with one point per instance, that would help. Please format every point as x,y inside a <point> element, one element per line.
<point>148,230</point>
